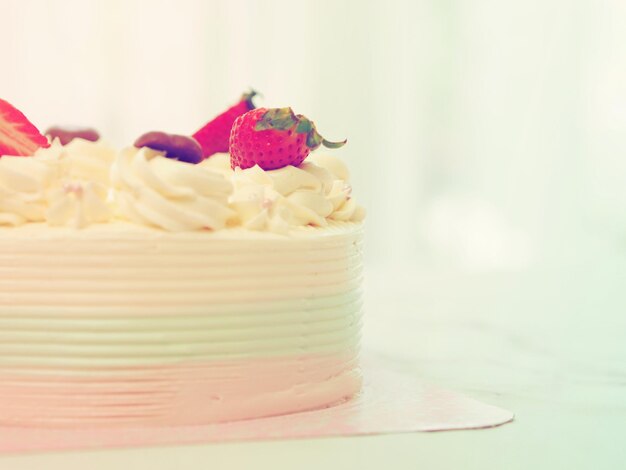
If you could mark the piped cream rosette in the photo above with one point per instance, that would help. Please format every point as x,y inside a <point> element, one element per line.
<point>151,189</point>
<point>84,183</point>
<point>61,185</point>
<point>276,200</point>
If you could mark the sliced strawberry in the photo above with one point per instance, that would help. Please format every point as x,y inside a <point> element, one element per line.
<point>18,136</point>
<point>213,137</point>
<point>274,138</point>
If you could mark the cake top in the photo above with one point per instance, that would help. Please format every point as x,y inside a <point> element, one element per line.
<point>249,167</point>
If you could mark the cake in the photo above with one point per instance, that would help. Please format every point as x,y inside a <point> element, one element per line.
<point>145,286</point>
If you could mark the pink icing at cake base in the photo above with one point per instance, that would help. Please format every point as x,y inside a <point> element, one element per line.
<point>392,401</point>
<point>184,394</point>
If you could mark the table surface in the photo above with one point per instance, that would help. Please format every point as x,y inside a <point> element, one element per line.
<point>546,343</point>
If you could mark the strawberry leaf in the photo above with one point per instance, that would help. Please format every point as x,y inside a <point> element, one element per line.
<point>313,139</point>
<point>304,126</point>
<point>278,118</point>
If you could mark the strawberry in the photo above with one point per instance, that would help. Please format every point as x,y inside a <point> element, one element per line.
<point>273,138</point>
<point>213,137</point>
<point>17,135</point>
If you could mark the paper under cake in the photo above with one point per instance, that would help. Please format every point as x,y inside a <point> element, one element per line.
<point>171,282</point>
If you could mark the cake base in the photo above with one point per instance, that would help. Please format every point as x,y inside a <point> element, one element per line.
<point>177,395</point>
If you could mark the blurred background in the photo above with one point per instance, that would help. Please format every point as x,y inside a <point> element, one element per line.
<point>484,135</point>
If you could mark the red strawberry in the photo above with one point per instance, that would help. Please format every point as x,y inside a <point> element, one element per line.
<point>213,137</point>
<point>273,138</point>
<point>17,135</point>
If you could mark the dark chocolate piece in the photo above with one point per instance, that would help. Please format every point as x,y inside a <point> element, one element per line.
<point>67,134</point>
<point>179,147</point>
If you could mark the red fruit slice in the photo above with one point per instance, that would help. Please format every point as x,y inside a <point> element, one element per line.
<point>18,136</point>
<point>213,137</point>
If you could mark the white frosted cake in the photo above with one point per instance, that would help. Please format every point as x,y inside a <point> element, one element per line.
<point>139,289</point>
<point>117,323</point>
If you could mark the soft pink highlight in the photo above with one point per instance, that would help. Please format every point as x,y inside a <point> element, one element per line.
<point>191,393</point>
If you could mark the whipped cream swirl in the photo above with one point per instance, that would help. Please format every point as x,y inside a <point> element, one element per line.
<point>88,161</point>
<point>78,204</point>
<point>60,185</point>
<point>84,183</point>
<point>276,200</point>
<point>24,185</point>
<point>80,195</point>
<point>176,196</point>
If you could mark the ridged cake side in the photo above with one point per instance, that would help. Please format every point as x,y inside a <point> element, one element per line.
<point>122,324</point>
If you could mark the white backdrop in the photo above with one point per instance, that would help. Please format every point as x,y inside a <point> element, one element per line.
<point>483,134</point>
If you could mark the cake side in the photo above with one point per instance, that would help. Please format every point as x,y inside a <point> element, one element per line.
<point>138,326</point>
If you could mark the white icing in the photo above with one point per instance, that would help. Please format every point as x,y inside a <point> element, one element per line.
<point>176,196</point>
<point>63,185</point>
<point>78,204</point>
<point>24,183</point>
<point>278,200</point>
<point>120,294</point>
<point>88,161</point>
<point>84,183</point>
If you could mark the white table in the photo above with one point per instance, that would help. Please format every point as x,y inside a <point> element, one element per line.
<point>548,344</point>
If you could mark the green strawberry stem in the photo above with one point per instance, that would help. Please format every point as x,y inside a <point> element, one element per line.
<point>285,119</point>
<point>334,145</point>
<point>247,97</point>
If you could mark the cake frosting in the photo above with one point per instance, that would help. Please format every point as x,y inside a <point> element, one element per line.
<point>133,325</point>
<point>277,200</point>
<point>139,289</point>
<point>88,182</point>
<point>63,185</point>
<point>153,190</point>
